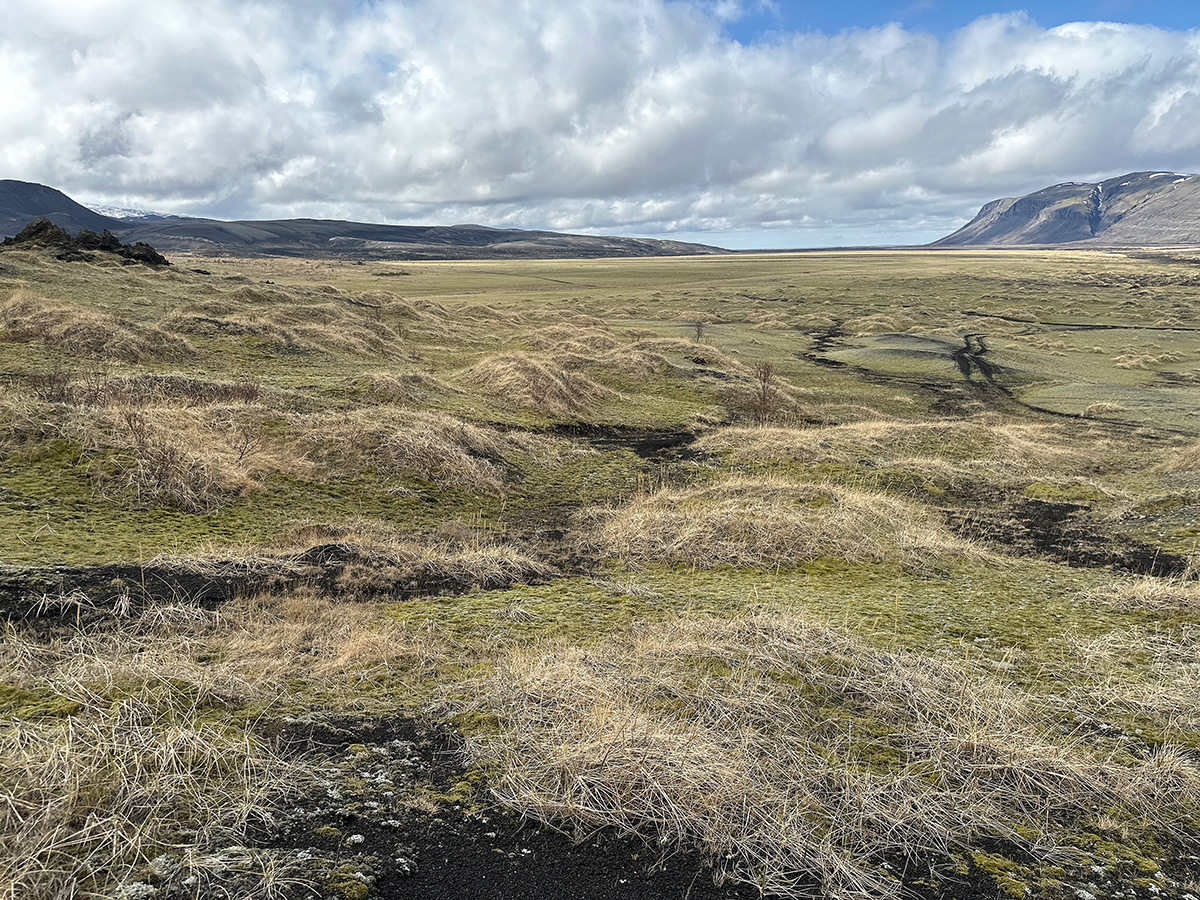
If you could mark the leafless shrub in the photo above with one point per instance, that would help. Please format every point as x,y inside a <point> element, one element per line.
<point>764,392</point>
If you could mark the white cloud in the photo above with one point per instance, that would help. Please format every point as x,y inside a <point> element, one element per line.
<point>607,115</point>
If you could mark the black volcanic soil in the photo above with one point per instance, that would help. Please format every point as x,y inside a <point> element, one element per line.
<point>366,832</point>
<point>453,852</point>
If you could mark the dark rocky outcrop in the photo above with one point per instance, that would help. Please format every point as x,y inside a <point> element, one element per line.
<point>43,234</point>
<point>1141,208</point>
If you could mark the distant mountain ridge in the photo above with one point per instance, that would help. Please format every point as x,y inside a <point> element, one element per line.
<point>1141,208</point>
<point>21,202</point>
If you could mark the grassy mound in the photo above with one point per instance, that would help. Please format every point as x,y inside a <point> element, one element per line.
<point>766,522</point>
<point>86,333</point>
<point>537,383</point>
<point>790,750</point>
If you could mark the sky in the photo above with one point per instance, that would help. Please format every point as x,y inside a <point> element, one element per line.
<point>741,123</point>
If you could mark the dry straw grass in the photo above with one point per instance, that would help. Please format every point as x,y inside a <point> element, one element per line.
<point>384,555</point>
<point>766,522</point>
<point>81,332</point>
<point>1184,459</point>
<point>1158,595</point>
<point>594,349</point>
<point>291,321</point>
<point>401,388</point>
<point>539,383</point>
<point>403,443</point>
<point>956,442</point>
<point>156,439</point>
<point>1163,695</point>
<point>119,748</point>
<point>190,457</point>
<point>800,758</point>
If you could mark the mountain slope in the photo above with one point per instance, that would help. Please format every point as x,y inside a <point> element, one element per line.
<point>22,201</point>
<point>1138,208</point>
<point>323,237</point>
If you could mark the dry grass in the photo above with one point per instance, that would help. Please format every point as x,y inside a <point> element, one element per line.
<point>291,322</point>
<point>402,388</point>
<point>713,358</point>
<point>766,522</point>
<point>403,443</point>
<point>1102,408</point>
<point>382,554</point>
<point>367,558</point>
<point>1164,694</point>
<point>1158,595</point>
<point>189,457</point>
<point>539,383</point>
<point>801,758</point>
<point>954,442</point>
<point>82,332</point>
<point>122,744</point>
<point>1185,459</point>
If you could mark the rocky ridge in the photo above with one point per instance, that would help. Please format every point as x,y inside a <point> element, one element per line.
<point>1141,208</point>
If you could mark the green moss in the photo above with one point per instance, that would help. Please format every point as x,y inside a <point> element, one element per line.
<point>1069,493</point>
<point>20,703</point>
<point>1010,878</point>
<point>581,481</point>
<point>344,882</point>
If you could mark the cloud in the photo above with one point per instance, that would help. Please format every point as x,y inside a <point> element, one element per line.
<point>636,116</point>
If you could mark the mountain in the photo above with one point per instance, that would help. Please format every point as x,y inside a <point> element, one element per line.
<point>22,201</point>
<point>324,237</point>
<point>125,214</point>
<point>1139,208</point>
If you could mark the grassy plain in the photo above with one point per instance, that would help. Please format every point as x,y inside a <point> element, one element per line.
<point>861,573</point>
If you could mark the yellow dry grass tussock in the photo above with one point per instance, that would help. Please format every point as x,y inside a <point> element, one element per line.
<point>382,554</point>
<point>537,382</point>
<point>401,387</point>
<point>583,340</point>
<point>193,457</point>
<point>713,358</point>
<point>110,761</point>
<point>590,348</point>
<point>1159,595</point>
<point>994,443</point>
<point>293,325</point>
<point>396,442</point>
<point>1164,696</point>
<point>23,417</point>
<point>1184,459</point>
<point>794,753</point>
<point>74,330</point>
<point>766,522</point>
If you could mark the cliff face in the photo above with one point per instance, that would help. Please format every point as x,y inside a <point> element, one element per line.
<point>1139,208</point>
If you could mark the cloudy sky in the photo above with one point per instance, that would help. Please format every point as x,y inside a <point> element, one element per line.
<point>745,123</point>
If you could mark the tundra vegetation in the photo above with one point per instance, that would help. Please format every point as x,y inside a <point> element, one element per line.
<point>859,574</point>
